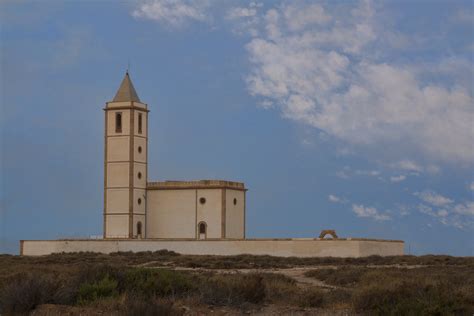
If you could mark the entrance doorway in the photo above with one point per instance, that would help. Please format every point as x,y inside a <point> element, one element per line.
<point>139,230</point>
<point>202,230</point>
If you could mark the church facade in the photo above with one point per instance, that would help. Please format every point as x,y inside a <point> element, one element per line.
<point>137,208</point>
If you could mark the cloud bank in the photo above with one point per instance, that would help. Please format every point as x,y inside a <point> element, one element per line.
<point>322,70</point>
<point>370,212</point>
<point>446,210</point>
<point>331,67</point>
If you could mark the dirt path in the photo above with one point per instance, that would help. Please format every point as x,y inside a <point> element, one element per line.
<point>297,274</point>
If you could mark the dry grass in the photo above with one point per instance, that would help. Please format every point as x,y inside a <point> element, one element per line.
<point>444,290</point>
<point>117,283</point>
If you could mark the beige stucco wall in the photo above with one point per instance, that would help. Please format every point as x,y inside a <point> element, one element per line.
<point>117,201</point>
<point>118,148</point>
<point>111,105</point>
<point>117,226</point>
<point>140,142</point>
<point>139,194</point>
<point>211,211</point>
<point>368,248</point>
<point>235,214</point>
<point>118,174</point>
<point>139,168</point>
<point>283,248</point>
<point>171,214</point>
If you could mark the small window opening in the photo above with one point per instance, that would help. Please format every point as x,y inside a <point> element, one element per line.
<point>139,123</point>
<point>139,229</point>
<point>202,200</point>
<point>139,175</point>
<point>235,201</point>
<point>202,228</point>
<point>118,122</point>
<point>139,201</point>
<point>139,149</point>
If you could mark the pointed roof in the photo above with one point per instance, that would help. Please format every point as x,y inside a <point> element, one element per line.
<point>126,92</point>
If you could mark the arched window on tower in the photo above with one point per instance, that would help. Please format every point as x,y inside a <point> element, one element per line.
<point>202,230</point>
<point>139,123</point>
<point>139,229</point>
<point>118,122</point>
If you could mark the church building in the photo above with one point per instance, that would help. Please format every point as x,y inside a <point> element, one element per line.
<point>204,217</point>
<point>135,207</point>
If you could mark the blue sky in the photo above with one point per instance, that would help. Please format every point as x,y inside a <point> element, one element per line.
<point>354,116</point>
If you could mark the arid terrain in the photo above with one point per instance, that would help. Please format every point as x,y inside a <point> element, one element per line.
<point>166,283</point>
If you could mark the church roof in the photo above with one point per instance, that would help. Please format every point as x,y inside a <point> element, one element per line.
<point>196,184</point>
<point>126,92</point>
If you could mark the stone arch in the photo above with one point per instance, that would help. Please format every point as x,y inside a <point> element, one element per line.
<point>330,232</point>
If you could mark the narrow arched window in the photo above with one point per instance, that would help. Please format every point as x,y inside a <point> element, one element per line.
<point>139,229</point>
<point>118,122</point>
<point>139,123</point>
<point>202,227</point>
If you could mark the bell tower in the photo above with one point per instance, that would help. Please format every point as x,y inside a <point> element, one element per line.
<point>125,164</point>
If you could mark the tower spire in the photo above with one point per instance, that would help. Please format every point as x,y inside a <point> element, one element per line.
<point>126,92</point>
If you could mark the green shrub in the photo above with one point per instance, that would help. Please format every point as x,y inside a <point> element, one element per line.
<point>104,288</point>
<point>133,306</point>
<point>344,276</point>
<point>410,293</point>
<point>337,298</point>
<point>24,292</point>
<point>310,297</point>
<point>233,289</point>
<point>279,288</point>
<point>156,282</point>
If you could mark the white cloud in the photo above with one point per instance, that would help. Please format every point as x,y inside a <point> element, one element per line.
<point>342,174</point>
<point>322,72</point>
<point>174,13</point>
<point>399,178</point>
<point>241,12</point>
<point>296,19</point>
<point>446,210</point>
<point>407,165</point>
<point>370,212</point>
<point>463,16</point>
<point>433,198</point>
<point>465,209</point>
<point>471,186</point>
<point>245,18</point>
<point>336,199</point>
<point>347,173</point>
<point>442,213</point>
<point>403,210</point>
<point>370,173</point>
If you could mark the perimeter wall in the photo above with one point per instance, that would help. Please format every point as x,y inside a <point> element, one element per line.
<point>273,247</point>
